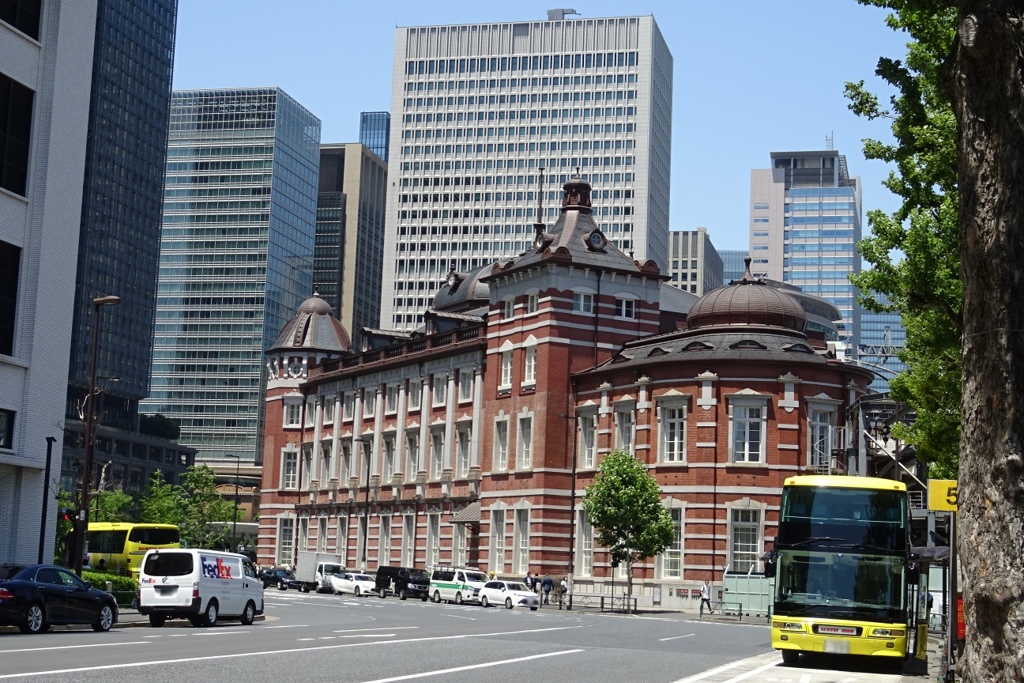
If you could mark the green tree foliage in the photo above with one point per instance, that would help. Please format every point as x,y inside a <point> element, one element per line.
<point>202,504</point>
<point>914,253</point>
<point>160,426</point>
<point>112,506</point>
<point>162,503</point>
<point>624,506</point>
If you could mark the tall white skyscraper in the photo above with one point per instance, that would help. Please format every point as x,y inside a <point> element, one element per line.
<point>478,110</point>
<point>805,220</point>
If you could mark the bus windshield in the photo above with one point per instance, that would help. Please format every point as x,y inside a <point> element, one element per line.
<point>843,518</point>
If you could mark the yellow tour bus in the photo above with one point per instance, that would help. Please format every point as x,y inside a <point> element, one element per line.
<point>118,547</point>
<point>843,565</point>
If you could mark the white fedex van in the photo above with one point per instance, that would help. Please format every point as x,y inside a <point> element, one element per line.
<point>200,585</point>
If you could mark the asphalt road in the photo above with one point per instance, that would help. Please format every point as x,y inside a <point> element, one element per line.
<point>309,637</point>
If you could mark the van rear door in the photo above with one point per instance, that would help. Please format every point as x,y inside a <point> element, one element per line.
<point>167,579</point>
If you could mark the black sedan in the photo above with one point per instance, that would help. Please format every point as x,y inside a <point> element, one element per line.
<point>283,579</point>
<point>35,596</point>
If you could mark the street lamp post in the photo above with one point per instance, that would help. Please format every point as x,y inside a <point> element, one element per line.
<point>234,518</point>
<point>89,430</point>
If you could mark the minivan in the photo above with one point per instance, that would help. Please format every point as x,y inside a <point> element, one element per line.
<point>456,584</point>
<point>199,585</point>
<point>405,582</point>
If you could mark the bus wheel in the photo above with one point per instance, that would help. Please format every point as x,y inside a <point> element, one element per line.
<point>790,657</point>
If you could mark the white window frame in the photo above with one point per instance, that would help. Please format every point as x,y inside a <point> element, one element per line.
<point>625,308</point>
<point>436,454</point>
<point>302,542</point>
<point>582,302</point>
<point>506,370</point>
<point>508,308</point>
<point>501,444</point>
<point>290,469</point>
<point>348,405</point>
<point>292,418</point>
<point>497,554</point>
<point>328,411</point>
<point>409,540</point>
<point>326,462</point>
<point>586,549</point>
<point>321,535</point>
<point>588,441</point>
<point>433,539</point>
<point>464,446</point>
<point>341,542</point>
<point>521,549</point>
<point>439,389</point>
<point>465,385</point>
<point>672,557</point>
<point>391,398</point>
<point>530,365</point>
<point>286,540</point>
<point>532,302</point>
<point>415,393</point>
<point>625,428</point>
<point>384,543</point>
<point>346,463</point>
<point>310,420</point>
<point>459,545</point>
<point>412,444</point>
<point>524,442</point>
<point>744,554</point>
<point>388,470</point>
<point>672,429</point>
<point>305,466</point>
<point>741,421</point>
<point>821,434</point>
<point>362,538</point>
<point>369,401</point>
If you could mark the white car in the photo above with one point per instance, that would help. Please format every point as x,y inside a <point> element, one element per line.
<point>508,593</point>
<point>356,584</point>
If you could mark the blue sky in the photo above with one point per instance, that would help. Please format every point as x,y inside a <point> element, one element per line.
<point>750,77</point>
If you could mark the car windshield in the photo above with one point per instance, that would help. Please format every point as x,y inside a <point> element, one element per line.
<point>419,574</point>
<point>361,577</point>
<point>517,586</point>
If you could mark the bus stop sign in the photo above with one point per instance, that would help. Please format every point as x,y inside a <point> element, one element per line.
<point>942,494</point>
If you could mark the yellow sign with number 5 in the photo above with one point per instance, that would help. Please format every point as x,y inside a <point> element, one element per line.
<point>942,494</point>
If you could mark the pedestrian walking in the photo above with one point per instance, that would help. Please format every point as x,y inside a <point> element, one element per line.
<point>547,584</point>
<point>705,597</point>
<point>529,580</point>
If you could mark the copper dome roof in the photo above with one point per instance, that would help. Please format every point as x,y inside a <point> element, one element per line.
<point>748,302</point>
<point>314,328</point>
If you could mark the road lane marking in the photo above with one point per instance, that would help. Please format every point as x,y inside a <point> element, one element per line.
<point>286,626</point>
<point>732,665</point>
<point>382,628</point>
<point>441,672</point>
<point>72,647</point>
<point>456,616</point>
<point>292,650</point>
<point>675,637</point>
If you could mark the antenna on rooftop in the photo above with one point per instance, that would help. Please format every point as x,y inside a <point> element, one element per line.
<point>829,141</point>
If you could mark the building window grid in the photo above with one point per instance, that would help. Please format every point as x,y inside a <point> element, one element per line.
<point>436,454</point>
<point>433,539</point>
<point>506,370</point>
<point>463,453</point>
<point>672,558</point>
<point>673,434</point>
<point>459,545</point>
<point>440,384</point>
<point>465,385</point>
<point>384,554</point>
<point>413,455</point>
<point>530,365</point>
<point>588,441</point>
<point>498,540</point>
<point>524,444</point>
<point>286,540</point>
<point>292,414</point>
<point>388,473</point>
<point>586,546</point>
<point>746,528</point>
<point>624,425</point>
<point>290,470</point>
<point>747,426</point>
<point>821,436</point>
<point>522,547</point>
<point>501,445</point>
<point>409,540</point>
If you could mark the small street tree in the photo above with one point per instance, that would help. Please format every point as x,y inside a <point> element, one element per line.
<point>162,503</point>
<point>624,506</point>
<point>202,504</point>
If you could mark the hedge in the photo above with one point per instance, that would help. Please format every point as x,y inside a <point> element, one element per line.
<point>120,583</point>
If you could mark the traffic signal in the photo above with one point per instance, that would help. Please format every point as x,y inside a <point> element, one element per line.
<point>67,514</point>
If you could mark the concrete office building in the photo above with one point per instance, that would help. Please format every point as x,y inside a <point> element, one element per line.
<point>236,258</point>
<point>350,234</point>
<point>732,264</point>
<point>119,244</point>
<point>805,220</point>
<point>375,132</point>
<point>479,109</point>
<point>694,264</point>
<point>45,75</point>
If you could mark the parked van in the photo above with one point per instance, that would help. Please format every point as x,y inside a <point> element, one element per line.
<point>405,582</point>
<point>456,584</point>
<point>200,585</point>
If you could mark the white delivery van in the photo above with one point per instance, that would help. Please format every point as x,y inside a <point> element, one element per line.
<point>200,585</point>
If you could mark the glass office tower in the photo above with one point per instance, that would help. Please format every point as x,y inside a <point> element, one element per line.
<point>375,132</point>
<point>481,108</point>
<point>236,258</point>
<point>805,222</point>
<point>732,264</point>
<point>882,336</point>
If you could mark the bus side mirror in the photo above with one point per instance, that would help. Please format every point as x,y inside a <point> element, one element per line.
<point>769,569</point>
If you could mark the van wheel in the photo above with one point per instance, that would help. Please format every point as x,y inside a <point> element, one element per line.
<point>458,598</point>
<point>382,593</point>
<point>210,615</point>
<point>402,595</point>
<point>508,603</point>
<point>157,620</point>
<point>305,588</point>
<point>437,597</point>
<point>249,614</point>
<point>484,602</point>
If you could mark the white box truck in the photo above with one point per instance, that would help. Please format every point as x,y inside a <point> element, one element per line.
<point>313,570</point>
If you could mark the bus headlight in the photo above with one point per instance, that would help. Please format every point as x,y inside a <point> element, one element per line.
<point>788,625</point>
<point>889,632</point>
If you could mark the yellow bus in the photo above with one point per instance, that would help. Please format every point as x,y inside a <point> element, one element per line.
<point>843,568</point>
<point>119,546</point>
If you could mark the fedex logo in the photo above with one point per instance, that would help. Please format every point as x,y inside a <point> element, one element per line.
<point>215,569</point>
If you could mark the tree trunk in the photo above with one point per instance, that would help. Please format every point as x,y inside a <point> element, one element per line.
<point>985,85</point>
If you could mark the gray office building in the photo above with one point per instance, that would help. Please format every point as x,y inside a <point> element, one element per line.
<point>375,132</point>
<point>236,259</point>
<point>694,263</point>
<point>350,234</point>
<point>119,241</point>
<point>485,112</point>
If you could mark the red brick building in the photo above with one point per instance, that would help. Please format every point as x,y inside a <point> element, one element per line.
<point>472,441</point>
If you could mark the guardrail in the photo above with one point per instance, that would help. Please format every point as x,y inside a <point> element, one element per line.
<point>604,603</point>
<point>725,608</point>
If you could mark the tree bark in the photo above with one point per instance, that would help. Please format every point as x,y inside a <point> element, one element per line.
<point>987,91</point>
